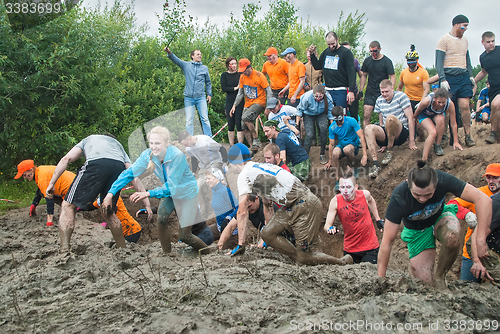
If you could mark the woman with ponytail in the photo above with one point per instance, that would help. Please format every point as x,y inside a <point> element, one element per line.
<point>420,203</point>
<point>179,190</point>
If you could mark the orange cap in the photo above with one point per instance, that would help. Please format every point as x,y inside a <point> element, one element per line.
<point>271,51</point>
<point>24,166</point>
<point>243,64</point>
<point>493,170</point>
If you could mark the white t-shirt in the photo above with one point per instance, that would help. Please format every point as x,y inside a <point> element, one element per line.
<point>271,182</point>
<point>206,151</point>
<point>284,111</point>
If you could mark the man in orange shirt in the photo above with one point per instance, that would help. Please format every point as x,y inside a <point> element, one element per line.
<point>42,176</point>
<point>296,77</point>
<point>277,70</point>
<point>254,88</point>
<point>467,211</point>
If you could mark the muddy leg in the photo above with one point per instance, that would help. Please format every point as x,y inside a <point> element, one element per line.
<point>422,265</point>
<point>448,233</point>
<point>186,236</point>
<point>115,227</point>
<point>165,208</point>
<point>66,225</point>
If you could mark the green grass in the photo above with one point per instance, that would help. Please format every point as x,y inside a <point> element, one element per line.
<point>16,190</point>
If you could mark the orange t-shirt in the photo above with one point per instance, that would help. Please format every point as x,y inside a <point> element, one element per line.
<point>43,175</point>
<point>253,87</point>
<point>414,82</point>
<point>297,71</point>
<point>471,207</point>
<point>278,73</point>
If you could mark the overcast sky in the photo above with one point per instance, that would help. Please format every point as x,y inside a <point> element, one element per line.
<point>395,24</point>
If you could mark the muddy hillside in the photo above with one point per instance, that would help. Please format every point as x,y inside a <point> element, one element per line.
<point>100,289</point>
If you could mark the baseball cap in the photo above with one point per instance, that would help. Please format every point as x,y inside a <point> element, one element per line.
<point>238,154</point>
<point>271,51</point>
<point>272,103</point>
<point>24,166</point>
<point>289,50</point>
<point>243,64</point>
<point>493,170</point>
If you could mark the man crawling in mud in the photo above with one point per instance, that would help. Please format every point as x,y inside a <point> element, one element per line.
<point>420,203</point>
<point>300,214</point>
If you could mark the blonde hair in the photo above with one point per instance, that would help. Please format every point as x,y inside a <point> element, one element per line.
<point>165,134</point>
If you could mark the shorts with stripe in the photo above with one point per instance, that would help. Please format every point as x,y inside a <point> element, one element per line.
<point>94,179</point>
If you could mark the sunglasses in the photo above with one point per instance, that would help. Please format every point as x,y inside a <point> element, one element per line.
<point>411,62</point>
<point>374,51</point>
<point>338,118</point>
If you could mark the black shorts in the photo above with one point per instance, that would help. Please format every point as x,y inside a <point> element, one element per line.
<point>492,93</point>
<point>398,141</point>
<point>414,105</point>
<point>94,179</point>
<point>365,256</point>
<point>370,99</point>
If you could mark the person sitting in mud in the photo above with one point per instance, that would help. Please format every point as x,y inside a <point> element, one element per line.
<point>419,203</point>
<point>290,150</point>
<point>345,136</point>
<point>351,206</point>
<point>224,204</point>
<point>272,156</point>
<point>396,125</point>
<point>300,214</point>
<point>431,114</point>
<point>179,190</point>
<point>105,160</point>
<point>467,212</point>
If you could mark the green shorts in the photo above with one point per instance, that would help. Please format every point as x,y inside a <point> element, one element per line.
<point>420,240</point>
<point>301,170</point>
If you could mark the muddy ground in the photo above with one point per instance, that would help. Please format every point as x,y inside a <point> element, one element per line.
<point>99,289</point>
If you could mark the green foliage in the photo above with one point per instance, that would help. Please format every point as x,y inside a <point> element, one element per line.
<point>65,77</point>
<point>18,191</point>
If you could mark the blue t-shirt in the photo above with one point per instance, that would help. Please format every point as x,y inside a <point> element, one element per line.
<point>289,143</point>
<point>346,133</point>
<point>483,96</point>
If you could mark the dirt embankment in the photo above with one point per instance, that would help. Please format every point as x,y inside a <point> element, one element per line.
<point>102,290</point>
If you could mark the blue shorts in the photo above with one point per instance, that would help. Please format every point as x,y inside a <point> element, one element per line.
<point>421,117</point>
<point>486,110</point>
<point>460,85</point>
<point>339,97</point>
<point>356,149</point>
<point>465,274</point>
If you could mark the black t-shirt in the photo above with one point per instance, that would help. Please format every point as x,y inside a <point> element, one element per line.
<point>227,83</point>
<point>491,64</point>
<point>493,239</point>
<point>377,70</point>
<point>338,67</point>
<point>416,215</point>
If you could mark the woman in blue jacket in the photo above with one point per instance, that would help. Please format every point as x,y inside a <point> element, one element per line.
<point>179,190</point>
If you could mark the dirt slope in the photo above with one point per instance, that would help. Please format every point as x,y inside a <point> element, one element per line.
<point>103,290</point>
